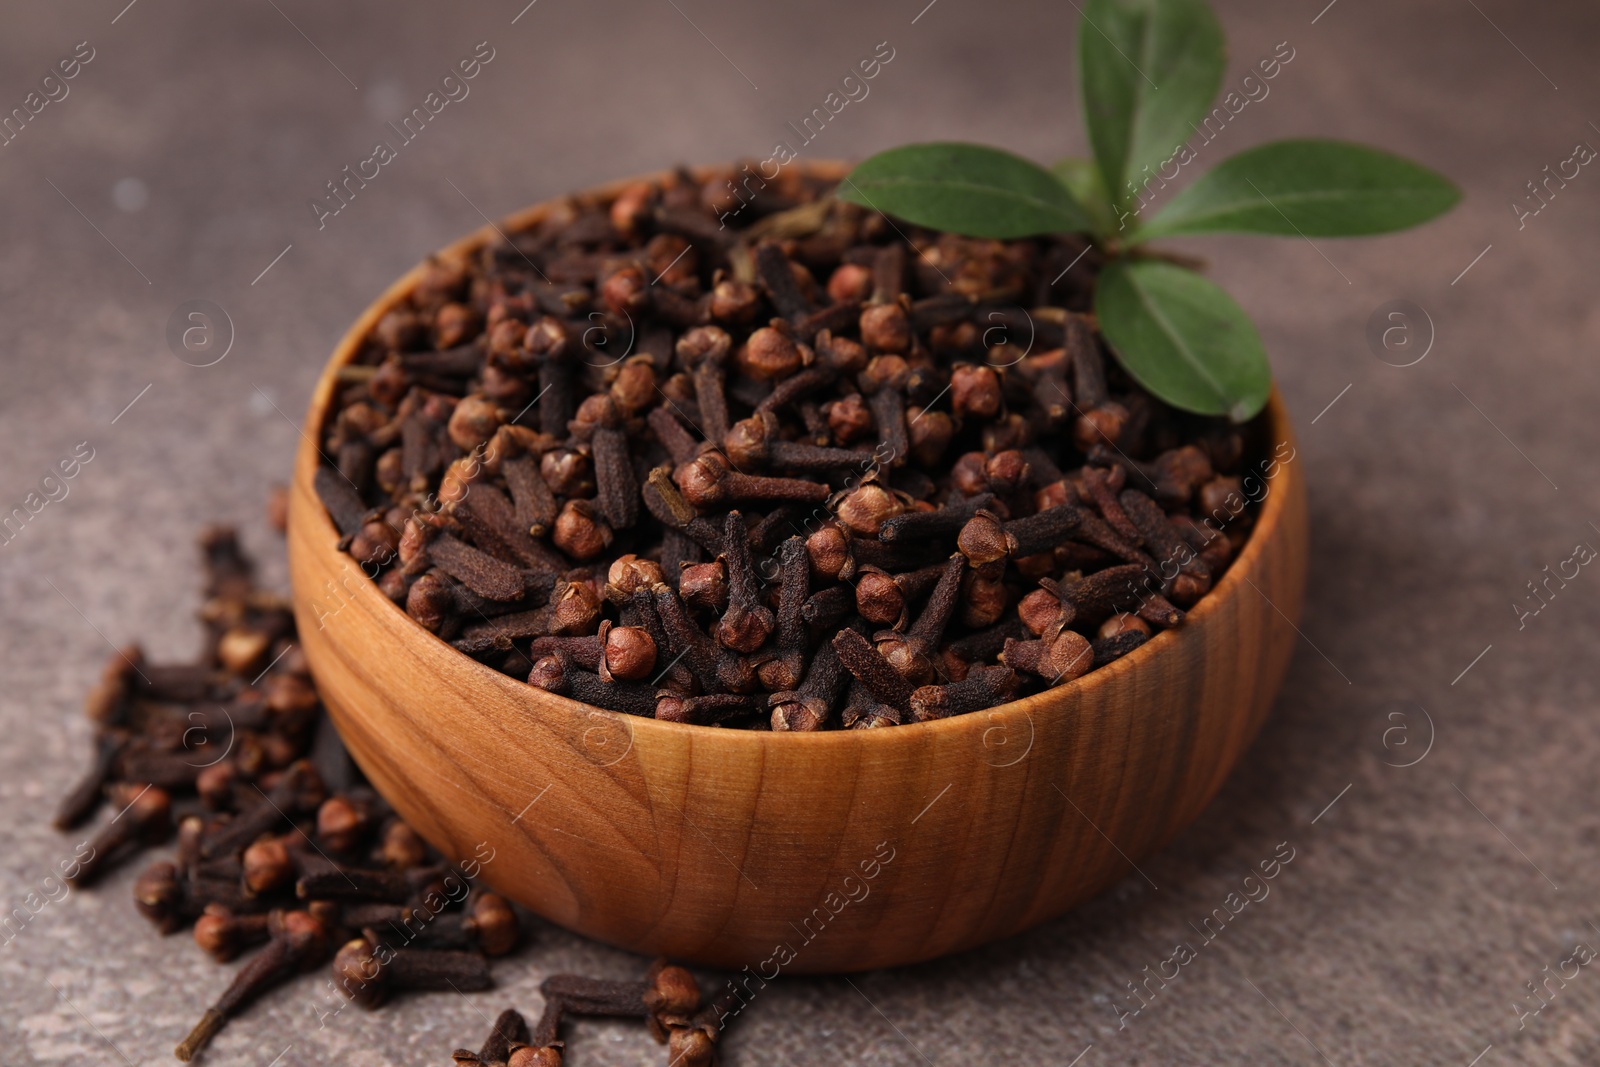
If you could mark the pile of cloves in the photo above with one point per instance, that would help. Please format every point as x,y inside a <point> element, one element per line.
<point>667,1000</point>
<point>816,471</point>
<point>281,849</point>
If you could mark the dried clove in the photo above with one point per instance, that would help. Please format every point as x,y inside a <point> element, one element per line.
<point>785,663</point>
<point>369,972</point>
<point>613,472</point>
<point>709,480</point>
<point>984,687</point>
<point>873,671</point>
<point>510,1029</point>
<point>1193,576</point>
<point>298,941</point>
<point>86,797</point>
<point>557,673</point>
<point>353,883</point>
<point>298,792</point>
<point>747,623</point>
<point>810,707</point>
<point>704,350</point>
<point>145,818</point>
<point>223,935</point>
<point>706,710</point>
<point>912,653</point>
<point>1056,659</point>
<point>940,523</point>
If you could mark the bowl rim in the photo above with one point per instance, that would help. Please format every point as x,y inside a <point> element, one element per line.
<point>1270,517</point>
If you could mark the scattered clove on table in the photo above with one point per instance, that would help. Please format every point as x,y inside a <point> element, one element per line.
<point>282,853</point>
<point>667,1000</point>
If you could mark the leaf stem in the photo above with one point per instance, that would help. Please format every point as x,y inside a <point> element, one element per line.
<point>1177,259</point>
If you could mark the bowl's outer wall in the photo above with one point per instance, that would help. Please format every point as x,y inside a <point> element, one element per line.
<point>838,851</point>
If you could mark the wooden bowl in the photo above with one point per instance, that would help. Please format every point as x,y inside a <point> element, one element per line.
<point>837,851</point>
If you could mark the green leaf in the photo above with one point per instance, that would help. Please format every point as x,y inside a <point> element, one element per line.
<point>1148,70</point>
<point>965,188</point>
<point>1082,179</point>
<point>1183,338</point>
<point>1308,188</point>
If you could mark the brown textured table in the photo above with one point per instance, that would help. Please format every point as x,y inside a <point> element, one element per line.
<point>1419,900</point>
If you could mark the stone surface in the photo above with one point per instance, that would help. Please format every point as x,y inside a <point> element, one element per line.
<point>1420,899</point>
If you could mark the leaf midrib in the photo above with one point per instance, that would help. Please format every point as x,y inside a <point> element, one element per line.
<point>1172,334</point>
<point>1182,218</point>
<point>1331,194</point>
<point>1140,113</point>
<point>943,183</point>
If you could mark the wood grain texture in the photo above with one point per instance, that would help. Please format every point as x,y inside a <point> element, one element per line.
<point>837,851</point>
